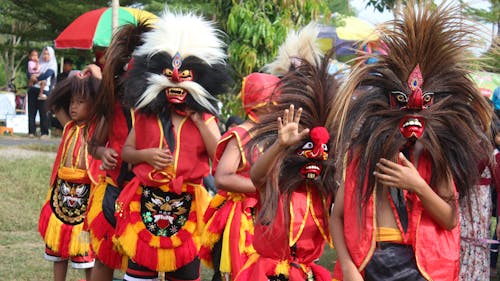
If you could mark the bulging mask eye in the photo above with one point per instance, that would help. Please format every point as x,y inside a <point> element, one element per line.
<point>325,147</point>
<point>308,145</point>
<point>168,72</point>
<point>427,97</point>
<point>185,74</point>
<point>400,97</point>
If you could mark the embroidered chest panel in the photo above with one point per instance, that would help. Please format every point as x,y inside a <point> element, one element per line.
<point>69,201</point>
<point>164,213</point>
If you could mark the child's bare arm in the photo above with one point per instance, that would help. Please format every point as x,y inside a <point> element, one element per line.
<point>349,269</point>
<point>226,177</point>
<point>406,176</point>
<point>156,157</point>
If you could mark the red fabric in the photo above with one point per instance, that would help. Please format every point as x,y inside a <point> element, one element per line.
<point>82,27</point>
<point>272,241</point>
<point>117,136</point>
<point>193,160</point>
<point>242,204</point>
<point>191,165</point>
<point>238,133</point>
<point>496,178</point>
<point>436,250</point>
<point>93,164</point>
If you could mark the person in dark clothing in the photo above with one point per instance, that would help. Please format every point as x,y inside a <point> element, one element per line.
<point>67,67</point>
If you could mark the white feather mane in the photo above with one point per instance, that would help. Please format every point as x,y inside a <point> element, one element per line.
<point>298,45</point>
<point>188,34</point>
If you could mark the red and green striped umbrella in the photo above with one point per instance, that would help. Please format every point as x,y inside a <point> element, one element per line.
<point>94,28</point>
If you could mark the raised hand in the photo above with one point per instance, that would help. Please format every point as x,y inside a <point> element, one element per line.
<point>288,127</point>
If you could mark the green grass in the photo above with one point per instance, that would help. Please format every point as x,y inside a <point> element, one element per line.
<point>24,179</point>
<point>24,185</point>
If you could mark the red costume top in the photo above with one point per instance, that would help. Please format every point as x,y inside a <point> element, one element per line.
<point>230,213</point>
<point>291,251</point>
<point>159,213</point>
<point>436,250</point>
<point>62,215</point>
<point>101,231</point>
<point>117,136</point>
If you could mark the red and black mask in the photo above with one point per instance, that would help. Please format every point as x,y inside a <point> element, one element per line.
<point>412,125</point>
<point>177,95</point>
<point>316,151</point>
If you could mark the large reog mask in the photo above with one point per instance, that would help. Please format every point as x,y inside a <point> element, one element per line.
<point>179,68</point>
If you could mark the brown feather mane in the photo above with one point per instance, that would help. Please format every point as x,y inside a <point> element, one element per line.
<point>457,125</point>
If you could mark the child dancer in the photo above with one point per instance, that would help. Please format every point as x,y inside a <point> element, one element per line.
<point>230,228</point>
<point>113,122</point>
<point>413,138</point>
<point>294,179</point>
<point>228,235</point>
<point>62,215</point>
<point>172,83</point>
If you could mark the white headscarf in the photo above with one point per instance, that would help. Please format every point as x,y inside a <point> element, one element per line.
<point>51,64</point>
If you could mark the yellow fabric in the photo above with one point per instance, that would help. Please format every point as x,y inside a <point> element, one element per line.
<point>53,235</point>
<point>202,202</point>
<point>388,234</point>
<point>166,260</point>
<point>246,225</point>
<point>71,174</point>
<point>225,257</point>
<point>283,267</point>
<point>97,198</point>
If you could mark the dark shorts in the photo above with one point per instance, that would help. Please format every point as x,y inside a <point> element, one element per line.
<point>393,262</point>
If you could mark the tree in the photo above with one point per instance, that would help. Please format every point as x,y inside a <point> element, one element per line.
<point>489,15</point>
<point>255,30</point>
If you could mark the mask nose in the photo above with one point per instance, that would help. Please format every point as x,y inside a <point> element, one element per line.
<point>175,76</point>
<point>416,100</point>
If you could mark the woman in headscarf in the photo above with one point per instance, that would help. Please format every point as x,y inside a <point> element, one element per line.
<point>48,73</point>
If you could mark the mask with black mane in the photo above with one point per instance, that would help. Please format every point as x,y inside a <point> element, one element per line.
<point>181,65</point>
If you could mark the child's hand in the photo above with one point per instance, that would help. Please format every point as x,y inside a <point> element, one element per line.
<point>159,158</point>
<point>93,70</point>
<point>197,117</point>
<point>109,159</point>
<point>403,176</point>
<point>288,127</point>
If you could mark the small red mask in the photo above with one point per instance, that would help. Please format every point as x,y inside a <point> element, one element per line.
<point>316,150</point>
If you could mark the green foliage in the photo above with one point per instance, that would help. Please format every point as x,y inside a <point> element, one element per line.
<point>382,5</point>
<point>492,60</point>
<point>255,31</point>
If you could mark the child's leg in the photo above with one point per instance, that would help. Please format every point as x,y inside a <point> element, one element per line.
<point>101,272</point>
<point>60,270</point>
<point>88,275</point>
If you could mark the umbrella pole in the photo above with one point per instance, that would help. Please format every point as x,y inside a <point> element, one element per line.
<point>114,14</point>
